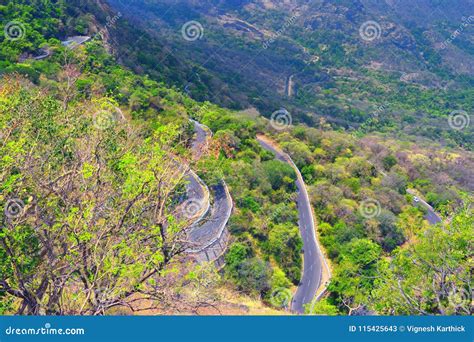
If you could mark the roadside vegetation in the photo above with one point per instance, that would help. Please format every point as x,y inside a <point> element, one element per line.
<point>367,222</point>
<point>89,189</point>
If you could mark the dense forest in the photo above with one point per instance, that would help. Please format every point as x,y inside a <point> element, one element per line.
<point>89,188</point>
<point>402,82</point>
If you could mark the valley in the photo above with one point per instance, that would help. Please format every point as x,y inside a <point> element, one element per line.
<point>236,158</point>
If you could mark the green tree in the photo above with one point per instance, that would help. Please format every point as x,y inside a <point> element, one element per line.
<point>388,162</point>
<point>322,307</point>
<point>285,244</point>
<point>354,277</point>
<point>86,205</point>
<point>431,276</point>
<point>279,173</point>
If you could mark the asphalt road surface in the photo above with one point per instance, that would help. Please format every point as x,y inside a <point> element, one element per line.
<point>196,191</point>
<point>312,263</point>
<point>205,232</point>
<point>195,188</point>
<point>200,139</point>
<point>73,42</point>
<point>208,235</point>
<point>431,216</point>
<point>289,86</point>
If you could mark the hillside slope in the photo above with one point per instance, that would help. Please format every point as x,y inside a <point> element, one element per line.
<point>90,191</point>
<point>364,65</point>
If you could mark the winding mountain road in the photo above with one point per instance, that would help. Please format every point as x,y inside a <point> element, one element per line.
<point>314,261</point>
<point>73,42</point>
<point>289,86</point>
<point>196,190</point>
<point>196,203</point>
<point>208,235</point>
<point>199,144</point>
<point>431,216</point>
